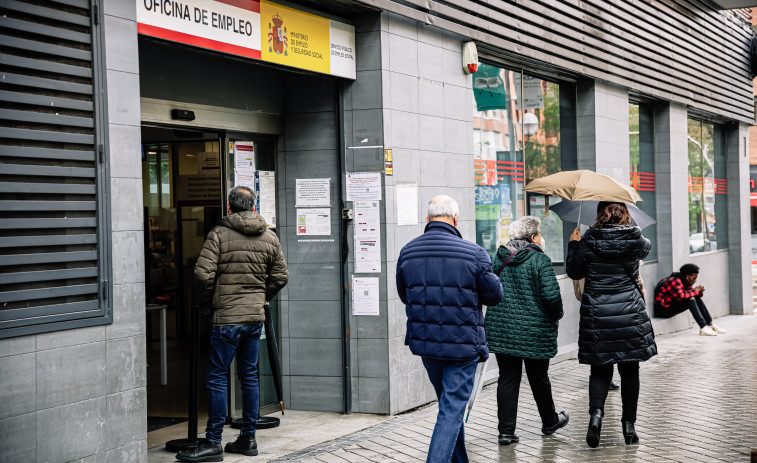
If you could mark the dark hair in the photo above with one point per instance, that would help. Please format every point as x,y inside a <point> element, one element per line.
<point>689,269</point>
<point>609,213</point>
<point>241,198</point>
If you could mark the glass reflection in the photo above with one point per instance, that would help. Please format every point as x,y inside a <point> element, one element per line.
<point>707,187</point>
<point>517,138</point>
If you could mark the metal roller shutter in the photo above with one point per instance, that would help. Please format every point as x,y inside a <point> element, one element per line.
<point>54,220</point>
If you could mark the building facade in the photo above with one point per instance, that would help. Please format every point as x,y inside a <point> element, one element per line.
<point>124,123</point>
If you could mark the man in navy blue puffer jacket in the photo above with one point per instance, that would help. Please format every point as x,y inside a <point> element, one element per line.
<point>443,281</point>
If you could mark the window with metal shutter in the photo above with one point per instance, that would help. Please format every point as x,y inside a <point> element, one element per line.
<point>54,219</point>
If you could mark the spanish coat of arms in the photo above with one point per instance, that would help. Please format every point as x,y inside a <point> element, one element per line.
<point>277,36</point>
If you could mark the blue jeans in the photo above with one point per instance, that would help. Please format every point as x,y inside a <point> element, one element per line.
<point>225,342</point>
<point>453,383</point>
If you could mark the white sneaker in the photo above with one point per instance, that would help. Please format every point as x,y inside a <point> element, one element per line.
<point>718,329</point>
<point>707,331</point>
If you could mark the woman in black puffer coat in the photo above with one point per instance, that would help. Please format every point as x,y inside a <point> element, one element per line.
<point>614,326</point>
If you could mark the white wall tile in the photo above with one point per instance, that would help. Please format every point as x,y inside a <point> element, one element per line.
<point>404,92</point>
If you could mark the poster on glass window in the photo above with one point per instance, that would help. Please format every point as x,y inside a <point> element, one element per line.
<point>492,205</point>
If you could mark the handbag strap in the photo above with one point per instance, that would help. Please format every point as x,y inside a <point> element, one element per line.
<point>507,261</point>
<point>635,283</point>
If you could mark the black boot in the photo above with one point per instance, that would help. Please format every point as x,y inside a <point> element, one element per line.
<point>206,451</point>
<point>629,433</point>
<point>245,445</point>
<point>562,420</point>
<point>595,427</point>
<point>507,439</point>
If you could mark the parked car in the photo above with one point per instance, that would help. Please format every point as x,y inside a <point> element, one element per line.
<point>699,243</point>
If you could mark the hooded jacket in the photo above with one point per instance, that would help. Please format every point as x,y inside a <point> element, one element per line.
<point>525,323</point>
<point>240,268</point>
<point>614,325</point>
<point>443,281</point>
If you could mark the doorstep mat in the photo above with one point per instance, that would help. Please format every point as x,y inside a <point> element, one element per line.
<point>159,422</point>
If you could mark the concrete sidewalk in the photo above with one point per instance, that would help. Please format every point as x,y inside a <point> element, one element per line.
<point>698,402</point>
<point>298,430</point>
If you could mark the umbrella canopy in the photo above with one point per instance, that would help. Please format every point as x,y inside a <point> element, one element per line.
<point>583,185</point>
<point>569,211</point>
<point>273,355</point>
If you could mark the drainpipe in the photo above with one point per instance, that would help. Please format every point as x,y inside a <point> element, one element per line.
<point>343,237</point>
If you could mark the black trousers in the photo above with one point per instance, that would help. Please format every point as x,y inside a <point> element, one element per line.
<point>698,310</point>
<point>695,306</point>
<point>599,383</point>
<point>508,387</point>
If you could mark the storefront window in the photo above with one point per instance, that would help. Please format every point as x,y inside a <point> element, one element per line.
<point>520,127</point>
<point>641,153</point>
<point>708,187</point>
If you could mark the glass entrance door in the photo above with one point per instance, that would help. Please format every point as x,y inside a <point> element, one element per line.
<point>182,202</point>
<point>250,161</point>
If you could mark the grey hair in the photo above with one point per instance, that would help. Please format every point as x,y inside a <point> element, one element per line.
<point>442,206</point>
<point>241,198</point>
<point>523,228</point>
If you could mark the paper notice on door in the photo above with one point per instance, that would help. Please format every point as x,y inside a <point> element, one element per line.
<point>244,164</point>
<point>208,164</point>
<point>313,192</point>
<point>266,190</point>
<point>314,222</point>
<point>406,196</point>
<point>365,296</point>
<point>367,237</point>
<point>364,186</point>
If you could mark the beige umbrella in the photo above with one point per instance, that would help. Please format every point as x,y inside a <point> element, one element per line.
<point>583,185</point>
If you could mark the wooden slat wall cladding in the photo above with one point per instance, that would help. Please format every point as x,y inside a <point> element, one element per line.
<point>683,51</point>
<point>51,167</point>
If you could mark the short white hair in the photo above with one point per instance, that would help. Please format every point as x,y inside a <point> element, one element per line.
<point>442,206</point>
<point>525,227</point>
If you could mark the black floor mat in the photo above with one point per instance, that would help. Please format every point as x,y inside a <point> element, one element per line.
<point>159,422</point>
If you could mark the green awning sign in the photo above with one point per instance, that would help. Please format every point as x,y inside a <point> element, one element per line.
<point>489,88</point>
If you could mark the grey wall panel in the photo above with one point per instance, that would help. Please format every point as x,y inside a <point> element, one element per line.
<point>72,431</point>
<point>681,51</point>
<point>309,317</point>
<point>125,421</point>
<point>714,276</point>
<point>739,220</point>
<point>373,394</point>
<point>19,385</point>
<point>315,357</point>
<point>317,393</point>
<point>70,374</point>
<point>310,304</point>
<point>18,442</point>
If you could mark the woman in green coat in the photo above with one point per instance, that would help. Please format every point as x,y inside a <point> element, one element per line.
<point>523,327</point>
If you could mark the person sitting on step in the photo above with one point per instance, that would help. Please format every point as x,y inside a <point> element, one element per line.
<point>676,293</point>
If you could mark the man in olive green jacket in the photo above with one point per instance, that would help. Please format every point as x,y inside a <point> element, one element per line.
<point>240,268</point>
